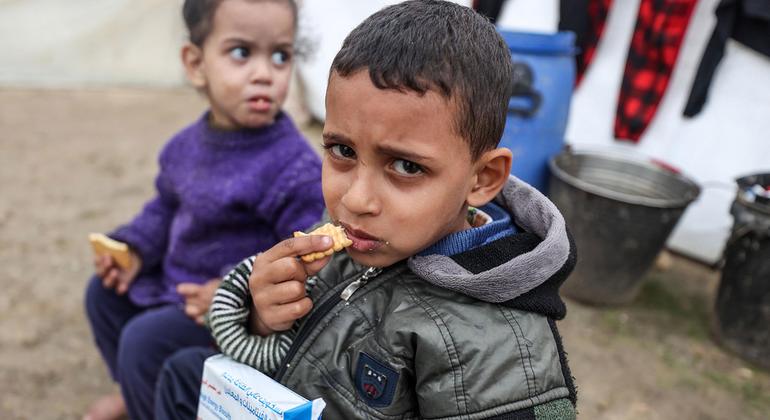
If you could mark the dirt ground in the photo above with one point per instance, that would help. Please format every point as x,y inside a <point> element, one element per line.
<point>72,162</point>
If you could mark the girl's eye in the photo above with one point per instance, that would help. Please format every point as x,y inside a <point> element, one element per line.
<point>280,57</point>
<point>405,167</point>
<point>239,53</point>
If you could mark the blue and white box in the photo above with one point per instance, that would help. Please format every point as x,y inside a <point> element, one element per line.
<point>232,390</point>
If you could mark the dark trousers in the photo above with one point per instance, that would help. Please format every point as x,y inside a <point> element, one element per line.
<point>135,341</point>
<point>179,384</point>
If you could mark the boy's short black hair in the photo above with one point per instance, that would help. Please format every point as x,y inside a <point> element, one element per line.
<point>199,15</point>
<point>419,45</point>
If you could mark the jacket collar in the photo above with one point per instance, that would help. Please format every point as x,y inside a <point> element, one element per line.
<point>544,249</point>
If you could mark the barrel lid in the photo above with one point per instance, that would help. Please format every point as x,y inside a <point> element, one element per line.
<point>745,196</point>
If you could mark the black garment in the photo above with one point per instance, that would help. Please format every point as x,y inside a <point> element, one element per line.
<point>489,8</point>
<point>746,21</point>
<point>587,19</point>
<point>573,16</point>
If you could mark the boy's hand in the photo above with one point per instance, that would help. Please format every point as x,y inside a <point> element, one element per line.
<point>198,297</point>
<point>115,277</point>
<point>277,283</point>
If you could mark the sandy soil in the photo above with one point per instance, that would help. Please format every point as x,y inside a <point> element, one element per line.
<point>78,161</point>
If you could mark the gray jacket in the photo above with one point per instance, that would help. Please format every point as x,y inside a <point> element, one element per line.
<point>464,337</point>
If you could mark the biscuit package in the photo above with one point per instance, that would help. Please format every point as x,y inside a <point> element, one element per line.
<point>335,232</point>
<point>232,390</point>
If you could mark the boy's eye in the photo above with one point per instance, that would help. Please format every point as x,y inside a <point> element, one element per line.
<point>341,151</point>
<point>405,167</point>
<point>280,57</point>
<point>239,53</point>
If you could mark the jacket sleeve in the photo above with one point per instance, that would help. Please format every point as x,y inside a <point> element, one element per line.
<point>487,361</point>
<point>561,409</point>
<point>147,234</point>
<point>294,201</point>
<point>228,320</point>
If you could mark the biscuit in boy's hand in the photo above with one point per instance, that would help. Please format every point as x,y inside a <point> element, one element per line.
<point>338,237</point>
<point>104,245</point>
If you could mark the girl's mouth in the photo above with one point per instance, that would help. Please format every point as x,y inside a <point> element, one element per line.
<point>362,241</point>
<point>260,103</point>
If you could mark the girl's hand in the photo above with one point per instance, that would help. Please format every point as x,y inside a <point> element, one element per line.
<point>115,277</point>
<point>198,298</point>
<point>277,283</point>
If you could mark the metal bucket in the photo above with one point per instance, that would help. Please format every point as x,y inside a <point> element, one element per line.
<point>621,210</point>
<point>742,310</point>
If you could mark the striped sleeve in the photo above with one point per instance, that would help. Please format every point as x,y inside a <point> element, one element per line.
<point>229,318</point>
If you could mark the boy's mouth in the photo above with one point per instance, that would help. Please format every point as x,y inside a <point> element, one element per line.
<point>362,241</point>
<point>260,103</point>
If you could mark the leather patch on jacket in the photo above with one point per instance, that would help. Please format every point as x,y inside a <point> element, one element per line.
<point>375,381</point>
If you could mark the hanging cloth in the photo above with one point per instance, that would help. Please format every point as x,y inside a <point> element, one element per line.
<point>746,21</point>
<point>586,18</point>
<point>658,34</point>
<point>489,8</point>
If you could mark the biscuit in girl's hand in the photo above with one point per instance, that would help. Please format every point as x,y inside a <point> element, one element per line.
<point>338,237</point>
<point>104,245</point>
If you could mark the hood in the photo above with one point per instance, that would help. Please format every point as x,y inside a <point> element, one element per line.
<point>523,270</point>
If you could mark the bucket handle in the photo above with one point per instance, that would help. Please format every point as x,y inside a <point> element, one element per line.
<point>522,80</point>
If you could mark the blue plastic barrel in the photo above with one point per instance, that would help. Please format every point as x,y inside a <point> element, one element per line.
<point>544,75</point>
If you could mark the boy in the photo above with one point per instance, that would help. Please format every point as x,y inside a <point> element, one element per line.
<point>455,315</point>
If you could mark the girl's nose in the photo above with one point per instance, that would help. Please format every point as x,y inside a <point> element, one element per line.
<point>261,71</point>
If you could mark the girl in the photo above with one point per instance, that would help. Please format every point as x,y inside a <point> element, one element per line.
<point>236,181</point>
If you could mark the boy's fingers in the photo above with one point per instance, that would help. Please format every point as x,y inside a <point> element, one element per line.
<point>294,247</point>
<point>281,317</point>
<point>299,269</point>
<point>315,266</point>
<point>281,270</point>
<point>286,292</point>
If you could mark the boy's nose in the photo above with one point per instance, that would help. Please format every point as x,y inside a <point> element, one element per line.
<point>361,197</point>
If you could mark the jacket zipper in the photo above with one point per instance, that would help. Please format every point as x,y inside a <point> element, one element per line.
<point>325,307</point>
<point>371,272</point>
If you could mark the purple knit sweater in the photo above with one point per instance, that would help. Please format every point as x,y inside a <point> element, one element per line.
<point>221,197</point>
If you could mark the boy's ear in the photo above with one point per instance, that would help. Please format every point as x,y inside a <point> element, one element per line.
<point>192,59</point>
<point>492,170</point>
